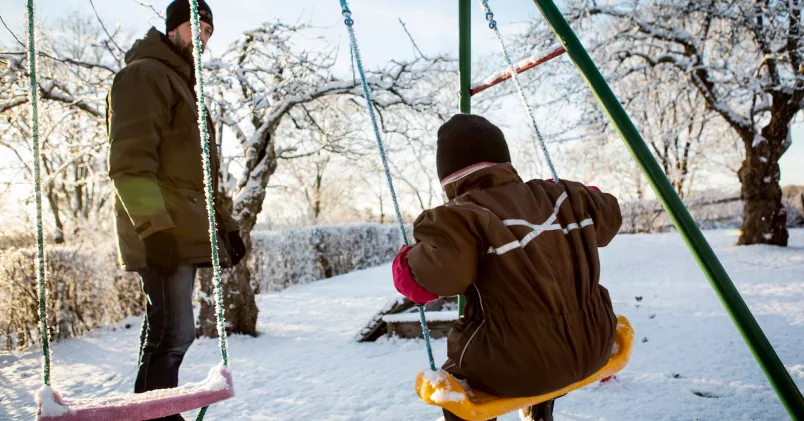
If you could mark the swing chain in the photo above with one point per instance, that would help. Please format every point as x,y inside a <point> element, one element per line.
<point>347,14</point>
<point>41,280</point>
<point>520,91</point>
<point>203,128</point>
<point>489,15</point>
<point>384,158</point>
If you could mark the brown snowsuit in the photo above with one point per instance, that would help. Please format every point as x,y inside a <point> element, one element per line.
<point>525,256</point>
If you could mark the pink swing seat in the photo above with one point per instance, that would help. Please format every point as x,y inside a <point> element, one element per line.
<point>218,386</point>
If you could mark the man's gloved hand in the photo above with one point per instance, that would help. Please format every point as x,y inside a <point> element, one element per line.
<point>237,248</point>
<point>162,252</point>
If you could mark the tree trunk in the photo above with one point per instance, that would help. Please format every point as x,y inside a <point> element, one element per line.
<point>78,191</point>
<point>764,217</point>
<point>240,309</point>
<point>53,200</point>
<point>317,195</point>
<point>382,209</point>
<point>238,286</point>
<point>326,267</point>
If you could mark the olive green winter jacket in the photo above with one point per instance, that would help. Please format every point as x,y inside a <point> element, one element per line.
<point>155,156</point>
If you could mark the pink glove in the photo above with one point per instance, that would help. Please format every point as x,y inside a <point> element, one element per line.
<point>404,282</point>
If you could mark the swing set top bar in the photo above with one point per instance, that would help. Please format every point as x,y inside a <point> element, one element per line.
<point>522,66</point>
<point>753,335</point>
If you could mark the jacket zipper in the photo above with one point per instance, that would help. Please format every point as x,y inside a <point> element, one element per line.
<point>483,314</point>
<point>465,347</point>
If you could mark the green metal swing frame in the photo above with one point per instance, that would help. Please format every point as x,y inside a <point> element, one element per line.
<point>746,324</point>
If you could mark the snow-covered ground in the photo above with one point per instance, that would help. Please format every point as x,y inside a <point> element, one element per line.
<point>691,364</point>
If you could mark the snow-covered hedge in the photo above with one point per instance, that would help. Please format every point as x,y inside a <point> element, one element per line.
<point>85,289</point>
<point>16,239</point>
<point>302,255</point>
<point>710,212</point>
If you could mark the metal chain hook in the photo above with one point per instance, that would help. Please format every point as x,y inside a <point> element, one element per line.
<point>348,15</point>
<point>489,15</point>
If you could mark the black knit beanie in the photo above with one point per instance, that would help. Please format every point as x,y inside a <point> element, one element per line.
<point>178,12</point>
<point>466,140</point>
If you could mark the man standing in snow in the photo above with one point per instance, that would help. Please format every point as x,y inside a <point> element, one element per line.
<point>155,165</point>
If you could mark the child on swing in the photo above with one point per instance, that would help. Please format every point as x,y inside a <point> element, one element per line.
<point>525,256</point>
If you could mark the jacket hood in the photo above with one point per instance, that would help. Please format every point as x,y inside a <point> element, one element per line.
<point>480,176</point>
<point>156,46</point>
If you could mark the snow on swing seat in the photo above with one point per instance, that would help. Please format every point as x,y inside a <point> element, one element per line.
<point>440,388</point>
<point>218,386</point>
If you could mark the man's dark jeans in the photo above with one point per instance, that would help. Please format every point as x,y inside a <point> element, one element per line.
<point>171,329</point>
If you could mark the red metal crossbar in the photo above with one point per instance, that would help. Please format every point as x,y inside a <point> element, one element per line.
<point>549,55</point>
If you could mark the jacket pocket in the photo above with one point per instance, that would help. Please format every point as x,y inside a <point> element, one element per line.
<point>188,210</point>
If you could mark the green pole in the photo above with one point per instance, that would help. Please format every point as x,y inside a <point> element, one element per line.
<point>740,314</point>
<point>465,54</point>
<point>465,74</point>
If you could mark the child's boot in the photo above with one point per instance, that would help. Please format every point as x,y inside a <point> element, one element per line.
<point>540,412</point>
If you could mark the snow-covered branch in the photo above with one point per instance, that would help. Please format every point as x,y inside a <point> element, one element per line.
<point>5,106</point>
<point>280,94</point>
<point>743,61</point>
<point>57,92</point>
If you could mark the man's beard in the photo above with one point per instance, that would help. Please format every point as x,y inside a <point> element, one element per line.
<point>185,49</point>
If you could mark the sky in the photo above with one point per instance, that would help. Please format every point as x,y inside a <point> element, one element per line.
<point>433,24</point>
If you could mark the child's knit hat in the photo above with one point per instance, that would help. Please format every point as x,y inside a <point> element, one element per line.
<point>467,140</point>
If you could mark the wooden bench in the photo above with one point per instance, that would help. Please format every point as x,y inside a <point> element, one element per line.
<point>400,317</point>
<point>408,325</point>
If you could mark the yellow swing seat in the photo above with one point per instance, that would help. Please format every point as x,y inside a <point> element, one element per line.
<point>442,389</point>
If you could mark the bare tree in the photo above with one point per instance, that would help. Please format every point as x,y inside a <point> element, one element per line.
<point>314,194</point>
<point>279,100</point>
<point>273,93</point>
<point>321,186</point>
<point>73,76</point>
<point>605,164</point>
<point>674,121</point>
<point>744,60</point>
